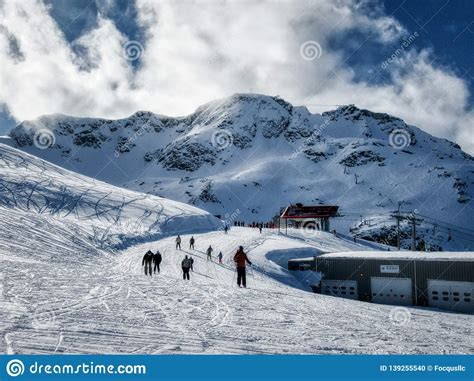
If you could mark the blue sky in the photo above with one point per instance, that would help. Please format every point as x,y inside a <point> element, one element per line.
<point>355,39</point>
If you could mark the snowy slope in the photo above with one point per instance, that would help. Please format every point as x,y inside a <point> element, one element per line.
<point>104,215</point>
<point>64,288</point>
<point>106,305</point>
<point>250,154</point>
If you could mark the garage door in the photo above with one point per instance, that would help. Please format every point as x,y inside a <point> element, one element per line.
<point>454,296</point>
<point>342,288</point>
<point>391,291</point>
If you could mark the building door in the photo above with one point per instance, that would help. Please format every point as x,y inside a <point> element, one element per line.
<point>387,290</point>
<point>450,295</point>
<point>342,288</point>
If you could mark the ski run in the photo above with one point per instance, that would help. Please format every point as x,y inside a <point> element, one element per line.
<point>107,305</point>
<point>72,281</point>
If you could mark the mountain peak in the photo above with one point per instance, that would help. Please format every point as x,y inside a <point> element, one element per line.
<point>352,112</point>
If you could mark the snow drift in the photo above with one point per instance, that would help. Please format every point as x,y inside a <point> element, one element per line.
<point>104,215</point>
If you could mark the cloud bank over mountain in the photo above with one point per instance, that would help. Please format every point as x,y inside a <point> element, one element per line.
<point>191,52</point>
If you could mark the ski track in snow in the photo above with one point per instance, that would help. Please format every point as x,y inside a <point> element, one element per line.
<point>104,304</point>
<point>64,289</point>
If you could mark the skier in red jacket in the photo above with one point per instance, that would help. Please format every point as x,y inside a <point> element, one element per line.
<point>240,258</point>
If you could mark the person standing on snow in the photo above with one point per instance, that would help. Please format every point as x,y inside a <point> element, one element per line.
<point>147,260</point>
<point>157,260</point>
<point>178,242</point>
<point>240,258</point>
<point>209,253</point>
<point>226,229</point>
<point>186,265</point>
<point>220,257</point>
<point>192,263</point>
<point>191,243</point>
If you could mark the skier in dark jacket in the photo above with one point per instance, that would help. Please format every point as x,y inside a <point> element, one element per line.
<point>147,261</point>
<point>157,260</point>
<point>191,243</point>
<point>209,253</point>
<point>220,257</point>
<point>240,258</point>
<point>186,265</point>
<point>192,263</point>
<point>178,242</point>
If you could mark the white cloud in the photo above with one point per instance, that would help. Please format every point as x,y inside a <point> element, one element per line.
<point>196,52</point>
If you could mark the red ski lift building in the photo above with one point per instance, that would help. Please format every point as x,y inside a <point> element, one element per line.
<point>308,216</point>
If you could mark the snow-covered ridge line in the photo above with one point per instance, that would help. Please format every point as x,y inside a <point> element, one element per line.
<point>107,216</point>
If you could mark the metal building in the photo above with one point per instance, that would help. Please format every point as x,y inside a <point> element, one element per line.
<point>437,279</point>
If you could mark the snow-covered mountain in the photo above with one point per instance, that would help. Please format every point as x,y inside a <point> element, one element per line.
<point>248,155</point>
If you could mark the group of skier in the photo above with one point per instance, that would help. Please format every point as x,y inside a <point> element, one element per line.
<point>151,261</point>
<point>259,225</point>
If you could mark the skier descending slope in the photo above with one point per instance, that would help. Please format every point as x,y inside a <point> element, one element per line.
<point>240,258</point>
<point>209,253</point>
<point>157,260</point>
<point>220,257</point>
<point>147,261</point>
<point>186,265</point>
<point>178,242</point>
<point>191,243</point>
